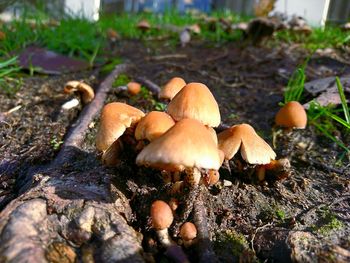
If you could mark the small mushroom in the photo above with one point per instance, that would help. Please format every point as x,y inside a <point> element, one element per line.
<point>195,101</point>
<point>2,36</point>
<point>254,149</point>
<point>153,125</point>
<point>188,232</point>
<point>116,118</point>
<point>112,34</point>
<point>86,92</point>
<point>291,115</point>
<point>144,26</point>
<point>134,88</point>
<point>170,89</point>
<point>162,218</point>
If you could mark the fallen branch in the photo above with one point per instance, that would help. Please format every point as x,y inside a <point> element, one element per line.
<point>151,86</point>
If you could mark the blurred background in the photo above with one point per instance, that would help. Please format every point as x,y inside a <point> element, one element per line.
<point>316,12</point>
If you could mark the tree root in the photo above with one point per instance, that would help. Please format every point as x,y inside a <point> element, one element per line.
<point>205,250</point>
<point>151,86</point>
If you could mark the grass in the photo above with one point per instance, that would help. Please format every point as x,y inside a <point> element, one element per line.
<point>9,82</point>
<point>330,36</point>
<point>323,118</point>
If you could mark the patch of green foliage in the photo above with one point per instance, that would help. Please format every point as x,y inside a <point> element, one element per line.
<point>295,86</point>
<point>330,36</point>
<point>327,222</point>
<point>55,143</point>
<point>9,81</point>
<point>121,80</point>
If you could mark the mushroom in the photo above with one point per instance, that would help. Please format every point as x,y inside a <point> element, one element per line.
<point>86,92</point>
<point>144,26</point>
<point>195,101</point>
<point>187,146</point>
<point>292,115</point>
<point>278,169</point>
<point>153,125</point>
<point>188,232</point>
<point>254,149</point>
<point>162,218</point>
<point>134,88</point>
<point>116,117</point>
<point>112,34</point>
<point>170,89</point>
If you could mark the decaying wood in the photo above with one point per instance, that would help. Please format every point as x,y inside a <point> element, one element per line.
<point>67,215</point>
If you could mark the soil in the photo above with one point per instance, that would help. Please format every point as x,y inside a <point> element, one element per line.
<point>303,217</point>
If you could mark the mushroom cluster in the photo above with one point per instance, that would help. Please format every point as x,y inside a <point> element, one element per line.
<point>181,143</point>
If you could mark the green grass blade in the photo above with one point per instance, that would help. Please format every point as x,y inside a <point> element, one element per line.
<point>330,136</point>
<point>338,119</point>
<point>9,62</point>
<point>343,100</point>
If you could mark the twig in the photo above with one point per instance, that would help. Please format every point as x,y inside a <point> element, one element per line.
<point>256,231</point>
<point>206,252</point>
<point>151,86</point>
<point>169,56</point>
<point>78,130</point>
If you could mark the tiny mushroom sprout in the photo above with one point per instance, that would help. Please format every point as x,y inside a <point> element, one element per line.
<point>153,125</point>
<point>86,92</point>
<point>292,115</point>
<point>116,117</point>
<point>134,88</point>
<point>187,146</point>
<point>144,25</point>
<point>195,101</point>
<point>188,232</point>
<point>162,217</point>
<point>170,89</point>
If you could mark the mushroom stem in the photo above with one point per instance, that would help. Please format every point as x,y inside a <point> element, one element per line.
<point>206,251</point>
<point>164,238</point>
<point>193,176</point>
<point>260,172</point>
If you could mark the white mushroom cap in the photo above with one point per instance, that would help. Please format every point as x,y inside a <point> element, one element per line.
<point>187,144</point>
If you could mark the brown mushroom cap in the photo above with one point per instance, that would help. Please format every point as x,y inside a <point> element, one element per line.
<point>292,115</point>
<point>116,117</point>
<point>143,25</point>
<point>187,144</point>
<point>134,88</point>
<point>254,149</point>
<point>172,88</point>
<point>153,125</point>
<point>188,231</point>
<point>195,101</point>
<point>87,93</point>
<point>161,215</point>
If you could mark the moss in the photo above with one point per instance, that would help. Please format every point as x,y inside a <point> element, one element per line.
<point>122,80</point>
<point>235,242</point>
<point>327,223</point>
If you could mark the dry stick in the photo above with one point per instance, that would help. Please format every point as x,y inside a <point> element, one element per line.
<point>76,134</point>
<point>151,86</point>
<point>206,251</point>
